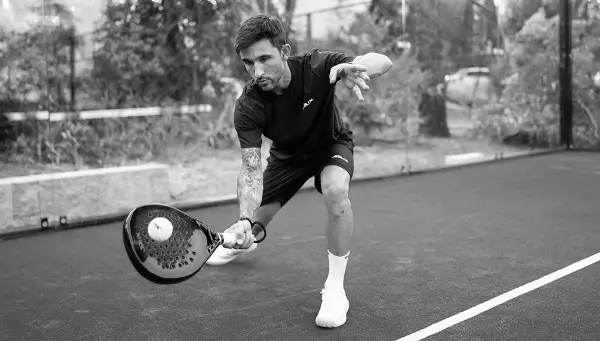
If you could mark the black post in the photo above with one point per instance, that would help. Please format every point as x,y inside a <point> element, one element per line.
<point>72,84</point>
<point>309,28</point>
<point>566,75</point>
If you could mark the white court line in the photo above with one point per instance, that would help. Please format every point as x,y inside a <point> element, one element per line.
<point>467,314</point>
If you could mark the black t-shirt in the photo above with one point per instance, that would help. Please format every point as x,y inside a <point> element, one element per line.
<point>304,120</point>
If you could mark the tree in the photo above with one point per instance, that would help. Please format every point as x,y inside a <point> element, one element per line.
<point>392,100</point>
<point>517,13</point>
<point>441,33</point>
<point>155,52</point>
<point>39,60</point>
<point>531,96</point>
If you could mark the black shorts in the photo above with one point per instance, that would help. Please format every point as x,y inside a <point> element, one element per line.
<point>282,180</point>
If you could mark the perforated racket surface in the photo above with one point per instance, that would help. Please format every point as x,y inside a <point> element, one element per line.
<point>179,257</point>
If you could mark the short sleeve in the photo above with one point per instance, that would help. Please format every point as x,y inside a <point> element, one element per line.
<point>329,59</point>
<point>247,125</point>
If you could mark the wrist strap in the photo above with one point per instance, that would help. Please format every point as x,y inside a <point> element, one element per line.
<point>259,224</point>
<point>261,234</point>
<point>247,219</point>
<point>252,223</point>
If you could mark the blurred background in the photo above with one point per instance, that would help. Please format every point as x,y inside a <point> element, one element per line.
<point>87,84</point>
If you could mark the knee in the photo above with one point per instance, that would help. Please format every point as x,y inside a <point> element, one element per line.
<point>336,198</point>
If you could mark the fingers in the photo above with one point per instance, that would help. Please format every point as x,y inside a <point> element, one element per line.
<point>346,70</point>
<point>356,87</point>
<point>358,68</point>
<point>244,236</point>
<point>361,83</point>
<point>249,239</point>
<point>357,93</point>
<point>354,75</point>
<point>333,74</point>
<point>364,76</point>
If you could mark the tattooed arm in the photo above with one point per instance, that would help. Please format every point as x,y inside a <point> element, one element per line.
<point>250,183</point>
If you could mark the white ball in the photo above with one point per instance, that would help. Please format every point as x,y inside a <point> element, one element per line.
<point>160,229</point>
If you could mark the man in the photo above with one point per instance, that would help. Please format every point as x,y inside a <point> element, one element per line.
<point>291,100</point>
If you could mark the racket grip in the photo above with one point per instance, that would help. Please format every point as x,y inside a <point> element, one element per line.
<point>229,239</point>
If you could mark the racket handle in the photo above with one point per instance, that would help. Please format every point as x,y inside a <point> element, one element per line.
<point>229,239</point>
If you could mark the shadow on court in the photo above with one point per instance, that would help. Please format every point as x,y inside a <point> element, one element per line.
<point>427,247</point>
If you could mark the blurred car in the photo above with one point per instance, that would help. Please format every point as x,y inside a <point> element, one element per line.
<point>470,86</point>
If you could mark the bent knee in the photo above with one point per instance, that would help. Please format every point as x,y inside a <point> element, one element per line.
<point>337,199</point>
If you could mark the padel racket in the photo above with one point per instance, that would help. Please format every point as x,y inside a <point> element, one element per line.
<point>167,246</point>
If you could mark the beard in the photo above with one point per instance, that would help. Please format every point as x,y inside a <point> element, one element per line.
<point>268,83</point>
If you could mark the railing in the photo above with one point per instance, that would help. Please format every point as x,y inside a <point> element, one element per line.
<point>111,113</point>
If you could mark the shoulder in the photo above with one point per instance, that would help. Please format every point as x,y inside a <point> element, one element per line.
<point>249,100</point>
<point>249,109</point>
<point>321,60</point>
<point>329,58</point>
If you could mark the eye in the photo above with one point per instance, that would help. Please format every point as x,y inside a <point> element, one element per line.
<point>264,58</point>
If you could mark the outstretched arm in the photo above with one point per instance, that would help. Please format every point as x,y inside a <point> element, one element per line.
<point>356,74</point>
<point>250,183</point>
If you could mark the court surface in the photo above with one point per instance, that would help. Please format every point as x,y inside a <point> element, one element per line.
<point>427,247</point>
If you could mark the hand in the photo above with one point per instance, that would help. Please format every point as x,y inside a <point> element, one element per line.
<point>354,77</point>
<point>243,232</point>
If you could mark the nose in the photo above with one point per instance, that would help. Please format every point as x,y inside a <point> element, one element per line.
<point>259,70</point>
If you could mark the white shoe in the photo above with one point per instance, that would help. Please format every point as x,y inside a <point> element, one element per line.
<point>334,308</point>
<point>224,255</point>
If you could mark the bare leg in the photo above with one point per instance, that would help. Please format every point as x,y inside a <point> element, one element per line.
<point>267,212</point>
<point>335,183</point>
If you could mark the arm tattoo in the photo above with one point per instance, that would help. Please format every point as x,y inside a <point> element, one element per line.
<point>250,183</point>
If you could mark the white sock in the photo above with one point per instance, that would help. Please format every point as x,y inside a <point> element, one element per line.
<point>337,270</point>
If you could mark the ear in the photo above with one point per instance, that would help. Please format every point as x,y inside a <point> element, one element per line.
<point>286,51</point>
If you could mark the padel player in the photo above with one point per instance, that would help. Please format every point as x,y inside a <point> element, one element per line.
<point>291,100</point>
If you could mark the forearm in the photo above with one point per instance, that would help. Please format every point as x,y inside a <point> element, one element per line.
<point>250,190</point>
<point>376,64</point>
<point>250,183</point>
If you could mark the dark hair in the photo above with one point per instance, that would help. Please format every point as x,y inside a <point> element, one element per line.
<point>257,28</point>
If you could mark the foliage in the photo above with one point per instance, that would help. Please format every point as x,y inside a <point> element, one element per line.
<point>36,67</point>
<point>146,53</point>
<point>517,13</point>
<point>530,98</point>
<point>162,52</point>
<point>106,141</point>
<point>443,33</point>
<point>391,99</point>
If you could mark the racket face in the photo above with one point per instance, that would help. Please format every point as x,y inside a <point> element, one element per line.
<point>173,260</point>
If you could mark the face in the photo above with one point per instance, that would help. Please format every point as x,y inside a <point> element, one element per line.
<point>265,63</point>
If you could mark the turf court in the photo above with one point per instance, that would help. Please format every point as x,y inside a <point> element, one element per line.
<point>427,247</point>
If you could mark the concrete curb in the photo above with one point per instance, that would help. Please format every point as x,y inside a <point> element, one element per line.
<point>232,199</point>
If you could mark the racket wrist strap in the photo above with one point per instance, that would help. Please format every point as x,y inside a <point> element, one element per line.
<point>247,219</point>
<point>252,223</point>
<point>259,224</point>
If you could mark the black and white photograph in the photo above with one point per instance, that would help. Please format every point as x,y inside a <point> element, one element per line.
<point>286,170</point>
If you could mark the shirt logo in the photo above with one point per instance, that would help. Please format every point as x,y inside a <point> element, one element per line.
<point>307,103</point>
<point>339,157</point>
